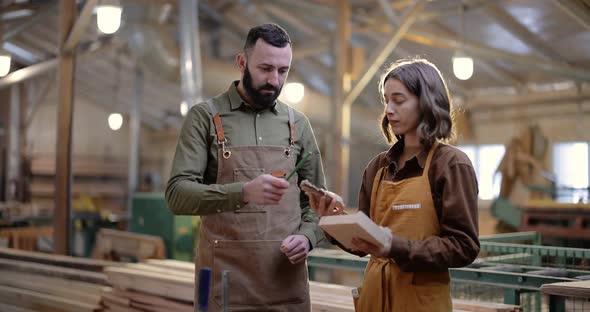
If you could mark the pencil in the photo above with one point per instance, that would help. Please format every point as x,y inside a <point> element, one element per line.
<point>298,166</point>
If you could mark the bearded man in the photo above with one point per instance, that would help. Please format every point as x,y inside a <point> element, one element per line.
<point>229,167</point>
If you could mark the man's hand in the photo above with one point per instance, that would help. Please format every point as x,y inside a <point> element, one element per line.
<point>264,190</point>
<point>296,248</point>
<point>374,250</point>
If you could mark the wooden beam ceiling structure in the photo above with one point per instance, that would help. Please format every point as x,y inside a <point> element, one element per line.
<point>575,11</point>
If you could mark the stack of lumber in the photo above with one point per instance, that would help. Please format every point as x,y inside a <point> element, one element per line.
<point>25,238</point>
<point>103,180</point>
<point>168,285</point>
<point>32,281</point>
<point>155,286</point>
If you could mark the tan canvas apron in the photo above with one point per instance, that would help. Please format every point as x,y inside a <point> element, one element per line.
<point>406,207</point>
<point>246,241</point>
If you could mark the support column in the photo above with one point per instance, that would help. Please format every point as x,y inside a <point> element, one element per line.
<point>340,116</point>
<point>190,52</point>
<point>65,110</point>
<point>134,133</point>
<point>12,153</point>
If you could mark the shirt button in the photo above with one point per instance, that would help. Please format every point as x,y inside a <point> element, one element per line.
<point>237,206</point>
<point>257,115</point>
<point>260,138</point>
<point>218,210</point>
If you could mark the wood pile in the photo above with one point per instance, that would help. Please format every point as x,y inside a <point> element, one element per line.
<point>168,285</point>
<point>101,179</point>
<point>25,238</point>
<point>149,287</point>
<point>32,281</point>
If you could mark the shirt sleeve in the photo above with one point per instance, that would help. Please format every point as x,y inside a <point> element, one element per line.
<point>186,193</point>
<point>313,171</point>
<point>458,243</point>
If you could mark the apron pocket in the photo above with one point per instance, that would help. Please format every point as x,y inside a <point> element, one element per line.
<point>259,274</point>
<point>430,291</point>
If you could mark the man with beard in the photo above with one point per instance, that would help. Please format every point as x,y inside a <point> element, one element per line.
<point>229,168</point>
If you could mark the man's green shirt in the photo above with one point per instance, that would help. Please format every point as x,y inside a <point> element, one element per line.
<point>192,188</point>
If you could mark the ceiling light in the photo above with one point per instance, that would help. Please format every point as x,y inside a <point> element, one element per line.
<point>294,92</point>
<point>115,121</point>
<point>462,66</point>
<point>183,108</point>
<point>108,17</point>
<point>4,63</point>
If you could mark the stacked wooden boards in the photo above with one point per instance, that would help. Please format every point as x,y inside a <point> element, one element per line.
<point>168,285</point>
<point>155,286</point>
<point>32,281</point>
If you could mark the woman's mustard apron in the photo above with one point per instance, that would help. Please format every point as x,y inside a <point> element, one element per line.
<point>406,207</point>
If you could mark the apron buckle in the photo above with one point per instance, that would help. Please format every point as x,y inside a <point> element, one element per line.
<point>226,152</point>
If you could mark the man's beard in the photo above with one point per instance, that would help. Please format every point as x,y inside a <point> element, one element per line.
<point>260,100</point>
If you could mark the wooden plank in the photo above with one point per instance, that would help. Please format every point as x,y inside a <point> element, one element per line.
<point>161,270</point>
<point>43,302</point>
<point>172,264</point>
<point>477,306</point>
<point>55,271</point>
<point>91,188</point>
<point>12,308</point>
<point>57,260</point>
<point>173,287</point>
<point>156,302</point>
<point>80,291</point>
<point>82,166</point>
<point>579,289</point>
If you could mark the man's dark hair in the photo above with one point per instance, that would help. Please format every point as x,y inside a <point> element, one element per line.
<point>272,34</point>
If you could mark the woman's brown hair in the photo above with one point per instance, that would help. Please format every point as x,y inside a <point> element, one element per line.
<point>425,81</point>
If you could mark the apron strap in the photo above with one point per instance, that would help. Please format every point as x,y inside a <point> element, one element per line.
<point>291,126</point>
<point>429,158</point>
<point>217,122</point>
<point>376,182</point>
<point>221,134</point>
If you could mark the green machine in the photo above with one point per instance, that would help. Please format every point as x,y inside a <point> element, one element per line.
<point>150,215</point>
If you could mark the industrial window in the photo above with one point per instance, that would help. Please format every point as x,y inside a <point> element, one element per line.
<point>485,160</point>
<point>570,166</point>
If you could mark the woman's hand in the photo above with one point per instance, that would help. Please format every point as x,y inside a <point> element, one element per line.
<point>325,206</point>
<point>372,249</point>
